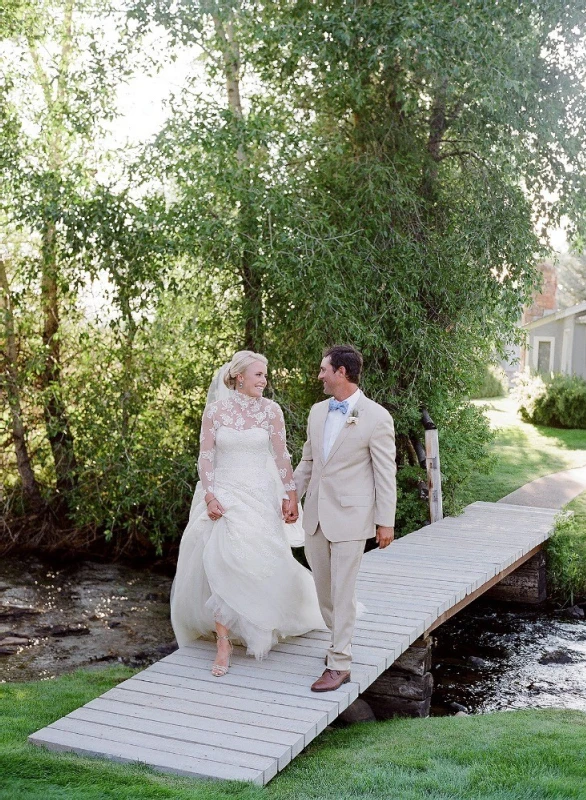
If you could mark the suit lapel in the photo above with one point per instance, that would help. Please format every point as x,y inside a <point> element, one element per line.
<point>320,420</point>
<point>344,432</point>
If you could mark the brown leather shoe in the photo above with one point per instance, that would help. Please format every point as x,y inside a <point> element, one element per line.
<point>331,679</point>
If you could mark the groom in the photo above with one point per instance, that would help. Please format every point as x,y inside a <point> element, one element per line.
<point>348,471</point>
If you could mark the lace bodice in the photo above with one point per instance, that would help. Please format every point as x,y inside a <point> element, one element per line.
<point>242,413</point>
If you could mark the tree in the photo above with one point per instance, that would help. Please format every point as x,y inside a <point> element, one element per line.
<point>66,67</point>
<point>571,279</point>
<point>418,143</point>
<point>216,151</point>
<point>10,386</point>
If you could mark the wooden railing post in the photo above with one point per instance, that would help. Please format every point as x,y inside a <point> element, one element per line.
<point>432,459</point>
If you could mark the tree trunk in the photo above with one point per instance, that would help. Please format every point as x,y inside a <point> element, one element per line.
<point>249,273</point>
<point>127,358</point>
<point>9,381</point>
<point>438,125</point>
<point>56,421</point>
<point>54,412</point>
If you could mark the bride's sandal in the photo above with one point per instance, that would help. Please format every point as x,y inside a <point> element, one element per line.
<point>219,670</point>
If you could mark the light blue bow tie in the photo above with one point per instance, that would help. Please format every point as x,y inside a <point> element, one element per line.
<point>338,405</point>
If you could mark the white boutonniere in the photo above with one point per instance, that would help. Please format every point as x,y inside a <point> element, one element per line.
<point>353,418</point>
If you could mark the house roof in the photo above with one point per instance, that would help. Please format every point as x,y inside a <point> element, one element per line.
<point>566,312</point>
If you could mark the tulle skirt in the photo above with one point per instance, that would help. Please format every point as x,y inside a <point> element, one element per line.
<point>240,571</point>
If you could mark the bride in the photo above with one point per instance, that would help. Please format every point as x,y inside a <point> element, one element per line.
<point>236,575</point>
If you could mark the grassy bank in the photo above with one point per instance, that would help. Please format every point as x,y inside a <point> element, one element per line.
<point>507,756</point>
<point>523,452</point>
<point>566,556</point>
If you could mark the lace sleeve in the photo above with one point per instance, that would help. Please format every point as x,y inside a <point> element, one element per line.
<point>279,446</point>
<point>207,449</point>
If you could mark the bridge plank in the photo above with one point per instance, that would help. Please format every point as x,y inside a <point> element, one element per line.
<point>189,766</point>
<point>264,737</point>
<point>173,730</point>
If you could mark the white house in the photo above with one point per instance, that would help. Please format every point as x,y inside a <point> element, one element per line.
<point>556,342</point>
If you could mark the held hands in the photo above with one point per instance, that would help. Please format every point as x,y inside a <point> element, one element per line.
<point>384,536</point>
<point>215,510</point>
<point>290,508</point>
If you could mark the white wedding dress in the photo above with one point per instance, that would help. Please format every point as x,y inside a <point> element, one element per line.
<point>239,570</point>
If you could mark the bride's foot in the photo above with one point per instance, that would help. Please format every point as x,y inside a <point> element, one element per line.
<point>223,656</point>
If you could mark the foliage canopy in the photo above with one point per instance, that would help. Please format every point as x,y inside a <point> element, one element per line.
<point>375,172</point>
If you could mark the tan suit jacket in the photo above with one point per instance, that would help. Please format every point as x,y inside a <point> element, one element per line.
<point>354,489</point>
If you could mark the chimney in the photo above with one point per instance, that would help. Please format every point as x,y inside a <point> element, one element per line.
<point>544,302</point>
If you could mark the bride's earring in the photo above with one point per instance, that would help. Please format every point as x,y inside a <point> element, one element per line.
<point>240,385</point>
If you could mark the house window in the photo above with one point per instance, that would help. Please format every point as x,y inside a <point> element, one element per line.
<point>543,349</point>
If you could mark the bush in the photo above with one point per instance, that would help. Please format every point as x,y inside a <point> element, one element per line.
<point>464,440</point>
<point>494,383</point>
<point>558,401</point>
<point>566,559</point>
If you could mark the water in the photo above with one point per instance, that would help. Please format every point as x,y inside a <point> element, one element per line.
<point>79,614</point>
<point>493,656</point>
<point>55,617</point>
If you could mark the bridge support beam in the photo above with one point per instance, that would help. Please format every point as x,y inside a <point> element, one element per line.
<point>527,584</point>
<point>404,690</point>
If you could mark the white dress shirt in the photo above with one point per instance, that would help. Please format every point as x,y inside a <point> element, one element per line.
<point>336,420</point>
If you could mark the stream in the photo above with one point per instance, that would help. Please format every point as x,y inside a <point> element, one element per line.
<point>56,617</point>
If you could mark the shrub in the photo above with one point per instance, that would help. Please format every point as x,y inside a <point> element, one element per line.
<point>494,383</point>
<point>558,401</point>
<point>566,559</point>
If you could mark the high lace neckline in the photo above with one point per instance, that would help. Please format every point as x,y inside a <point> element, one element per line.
<point>246,401</point>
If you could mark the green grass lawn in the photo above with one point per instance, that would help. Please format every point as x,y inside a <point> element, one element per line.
<point>523,452</point>
<point>521,755</point>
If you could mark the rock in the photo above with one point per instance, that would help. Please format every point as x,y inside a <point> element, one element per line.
<point>458,707</point>
<point>14,640</point>
<point>556,657</point>
<point>478,662</point>
<point>104,657</point>
<point>537,688</point>
<point>63,630</point>
<point>159,597</point>
<point>358,711</point>
<point>140,659</point>
<point>114,623</point>
<point>574,612</point>
<point>167,649</point>
<point>461,714</point>
<point>7,651</point>
<point>417,658</point>
<point>15,612</point>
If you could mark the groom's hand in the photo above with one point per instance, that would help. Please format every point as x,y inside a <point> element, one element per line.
<point>384,536</point>
<point>291,507</point>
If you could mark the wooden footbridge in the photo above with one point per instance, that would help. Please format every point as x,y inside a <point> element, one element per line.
<point>176,717</point>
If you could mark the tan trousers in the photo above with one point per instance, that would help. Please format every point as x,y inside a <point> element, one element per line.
<point>335,567</point>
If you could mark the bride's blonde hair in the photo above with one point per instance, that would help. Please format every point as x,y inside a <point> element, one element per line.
<point>241,360</point>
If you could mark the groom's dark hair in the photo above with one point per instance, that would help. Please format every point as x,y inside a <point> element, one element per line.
<point>344,355</point>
